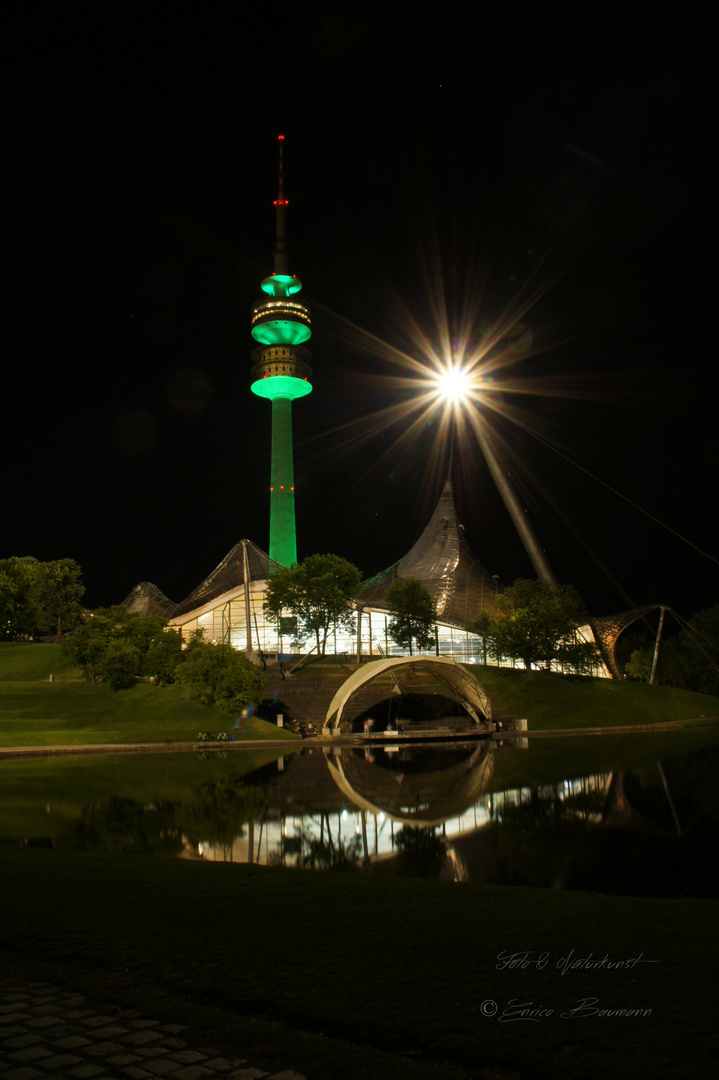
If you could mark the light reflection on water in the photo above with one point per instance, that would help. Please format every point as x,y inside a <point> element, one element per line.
<point>647,829</point>
<point>276,838</point>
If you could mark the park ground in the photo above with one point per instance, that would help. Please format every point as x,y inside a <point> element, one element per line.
<point>354,975</point>
<point>37,710</point>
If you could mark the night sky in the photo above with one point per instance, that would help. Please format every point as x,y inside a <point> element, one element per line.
<point>540,163</point>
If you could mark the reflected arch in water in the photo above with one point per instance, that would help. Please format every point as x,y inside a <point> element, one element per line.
<point>460,682</point>
<point>436,797</point>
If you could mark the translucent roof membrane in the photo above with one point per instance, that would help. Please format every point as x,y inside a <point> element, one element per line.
<point>443,562</point>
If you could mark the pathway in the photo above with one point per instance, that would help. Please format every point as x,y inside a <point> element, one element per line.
<point>46,1031</point>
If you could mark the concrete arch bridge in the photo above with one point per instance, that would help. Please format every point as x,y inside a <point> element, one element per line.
<point>450,678</point>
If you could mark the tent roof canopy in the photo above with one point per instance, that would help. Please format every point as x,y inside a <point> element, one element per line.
<point>147,599</point>
<point>443,562</point>
<point>229,575</point>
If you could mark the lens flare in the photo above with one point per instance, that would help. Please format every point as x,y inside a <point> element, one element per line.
<point>445,365</point>
<point>453,384</point>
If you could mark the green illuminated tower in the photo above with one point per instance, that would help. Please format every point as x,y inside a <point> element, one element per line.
<point>281,372</point>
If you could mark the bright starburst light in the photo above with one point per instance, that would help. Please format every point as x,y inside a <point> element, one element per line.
<point>450,372</point>
<point>454,383</point>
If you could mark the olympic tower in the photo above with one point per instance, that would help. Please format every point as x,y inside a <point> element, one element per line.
<point>281,372</point>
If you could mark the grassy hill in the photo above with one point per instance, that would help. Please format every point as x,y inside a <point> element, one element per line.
<point>556,702</point>
<point>35,711</point>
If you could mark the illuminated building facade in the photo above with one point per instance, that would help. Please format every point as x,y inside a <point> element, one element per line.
<point>228,606</point>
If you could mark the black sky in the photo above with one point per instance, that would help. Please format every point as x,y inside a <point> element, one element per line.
<point>563,159</point>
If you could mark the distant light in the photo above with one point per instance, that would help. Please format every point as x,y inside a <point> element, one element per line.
<point>280,136</point>
<point>454,383</point>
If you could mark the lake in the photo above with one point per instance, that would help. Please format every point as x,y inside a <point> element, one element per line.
<point>632,814</point>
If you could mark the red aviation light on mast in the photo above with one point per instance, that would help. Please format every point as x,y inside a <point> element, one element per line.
<point>281,204</point>
<point>280,200</point>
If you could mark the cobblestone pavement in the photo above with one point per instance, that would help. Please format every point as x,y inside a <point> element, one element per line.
<point>49,1032</point>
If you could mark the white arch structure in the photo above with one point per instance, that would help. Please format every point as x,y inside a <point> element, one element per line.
<point>464,685</point>
<point>468,784</point>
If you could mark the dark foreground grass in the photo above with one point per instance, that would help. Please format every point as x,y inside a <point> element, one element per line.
<point>355,975</point>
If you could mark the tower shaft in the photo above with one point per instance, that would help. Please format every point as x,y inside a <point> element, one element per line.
<point>283,536</point>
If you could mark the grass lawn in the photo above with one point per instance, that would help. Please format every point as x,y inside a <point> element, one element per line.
<point>37,712</point>
<point>355,975</point>
<point>68,710</point>
<point>67,713</point>
<point>558,702</point>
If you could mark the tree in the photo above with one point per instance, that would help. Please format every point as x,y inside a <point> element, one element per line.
<point>117,646</point>
<point>121,664</point>
<point>88,645</point>
<point>698,650</point>
<point>61,590</point>
<point>318,592</point>
<point>39,596</point>
<point>218,675</point>
<point>689,661</point>
<point>21,596</point>
<point>536,622</point>
<point>413,614</point>
<point>8,601</point>
<point>163,656</point>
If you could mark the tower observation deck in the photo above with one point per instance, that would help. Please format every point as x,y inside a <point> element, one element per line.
<point>281,371</point>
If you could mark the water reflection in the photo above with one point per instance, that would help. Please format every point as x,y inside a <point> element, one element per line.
<point>123,827</point>
<point>648,829</point>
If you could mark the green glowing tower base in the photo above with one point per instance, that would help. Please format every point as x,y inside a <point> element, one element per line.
<point>281,371</point>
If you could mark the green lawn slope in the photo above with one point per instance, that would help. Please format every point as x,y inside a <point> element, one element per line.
<point>67,711</point>
<point>35,711</point>
<point>560,702</point>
